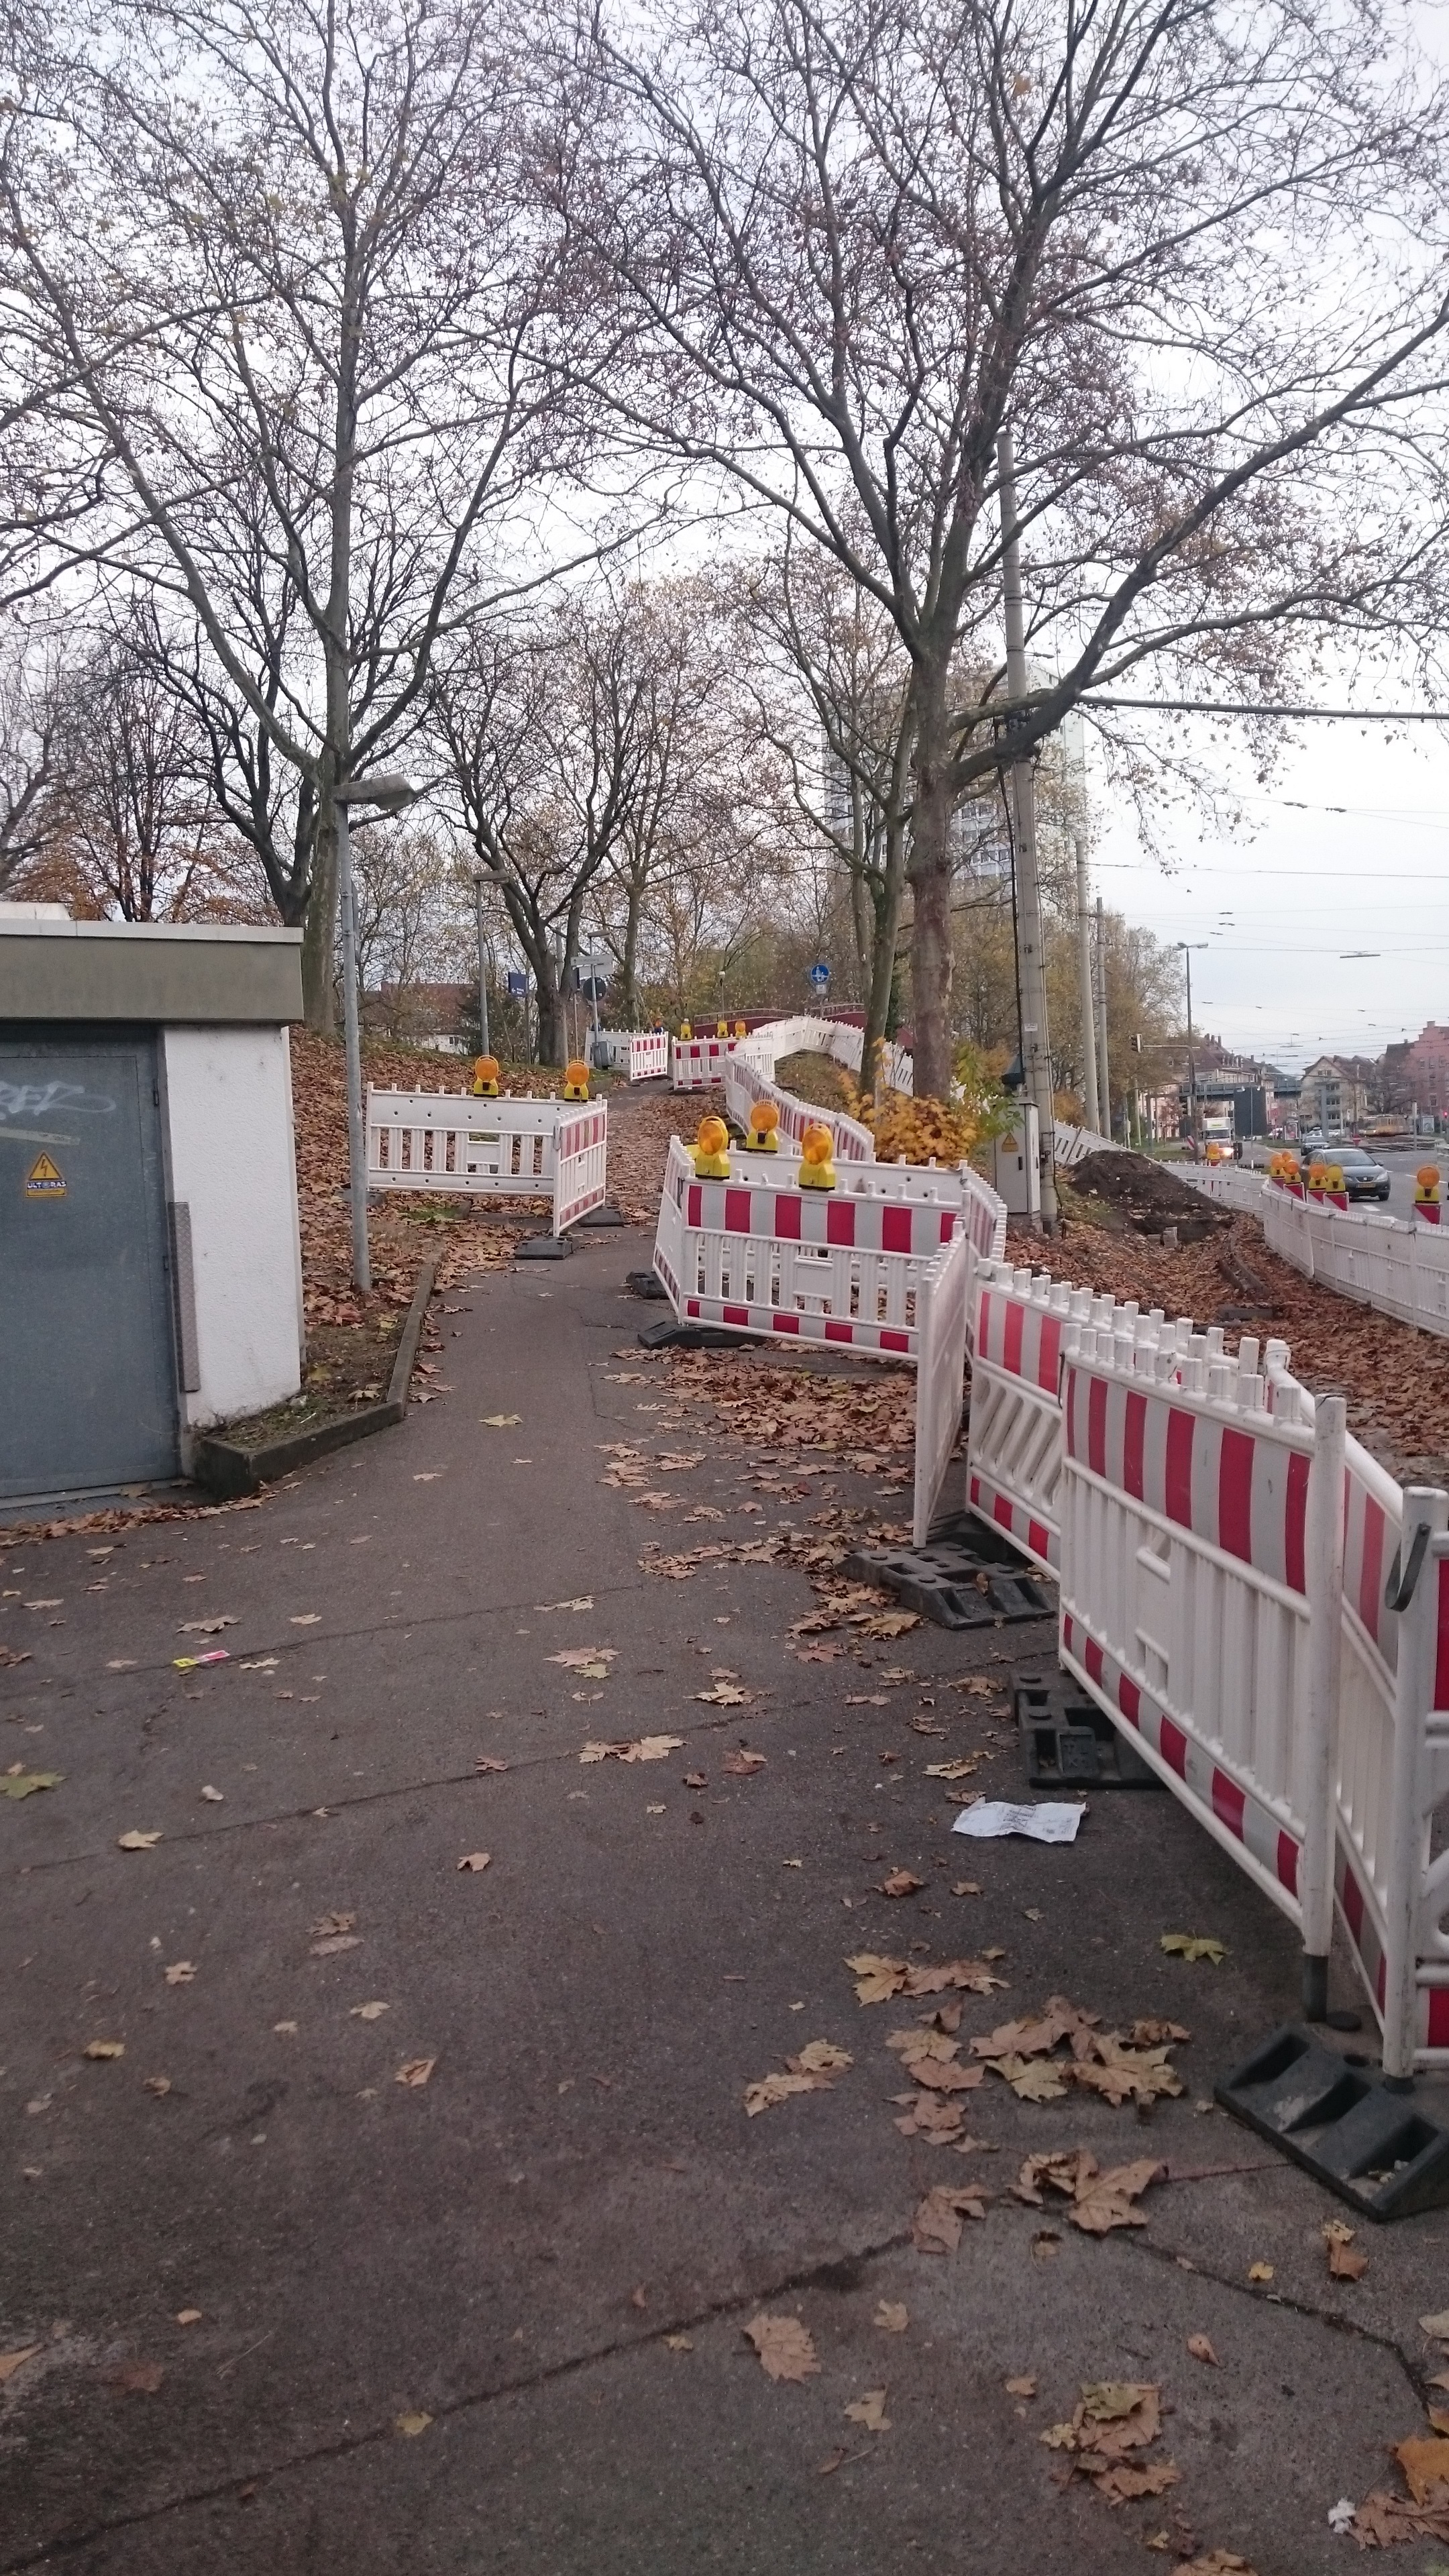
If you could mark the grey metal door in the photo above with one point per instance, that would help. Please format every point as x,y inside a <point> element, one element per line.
<point>87,1366</point>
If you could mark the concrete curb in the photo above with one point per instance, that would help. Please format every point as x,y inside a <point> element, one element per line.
<point>227,1470</point>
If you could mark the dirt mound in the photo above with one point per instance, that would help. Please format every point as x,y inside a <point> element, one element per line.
<point>1146,1195</point>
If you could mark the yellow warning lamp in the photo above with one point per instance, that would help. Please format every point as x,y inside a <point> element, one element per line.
<point>721,1028</point>
<point>817,1168</point>
<point>685,1031</point>
<point>711,1150</point>
<point>739,1028</point>
<point>485,1077</point>
<point>762,1137</point>
<point>576,1079</point>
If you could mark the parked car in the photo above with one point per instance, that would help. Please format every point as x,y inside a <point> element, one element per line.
<point>1363,1178</point>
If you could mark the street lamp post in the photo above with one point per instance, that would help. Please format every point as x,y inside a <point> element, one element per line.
<point>387,793</point>
<point>1187,946</point>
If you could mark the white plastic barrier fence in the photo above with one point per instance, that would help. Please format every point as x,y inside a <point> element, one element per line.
<point>1188,1588</point>
<point>506,1148</point>
<point>581,1163</point>
<point>943,1304</point>
<point>1401,1269</point>
<point>641,1055</point>
<point>696,1064</point>
<point>1231,1592</point>
<point>748,1078</point>
<point>1072,1145</point>
<point>841,1266</point>
<point>1013,1461</point>
<point>1229,1183</point>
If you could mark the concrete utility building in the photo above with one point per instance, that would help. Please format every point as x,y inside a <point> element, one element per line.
<point>150,1258</point>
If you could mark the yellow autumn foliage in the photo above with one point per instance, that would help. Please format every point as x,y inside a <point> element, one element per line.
<point>915,1129</point>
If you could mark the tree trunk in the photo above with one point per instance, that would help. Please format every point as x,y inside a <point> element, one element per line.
<point>629,975</point>
<point>319,933</point>
<point>930,875</point>
<point>886,894</point>
<point>552,1035</point>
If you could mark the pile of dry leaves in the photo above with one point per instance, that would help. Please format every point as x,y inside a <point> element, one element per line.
<point>403,1231</point>
<point>1114,2419</point>
<point>1396,1381</point>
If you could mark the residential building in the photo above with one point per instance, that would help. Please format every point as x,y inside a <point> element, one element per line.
<point>1332,1098</point>
<point>1416,1072</point>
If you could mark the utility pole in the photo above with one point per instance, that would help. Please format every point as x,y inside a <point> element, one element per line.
<point>1103,1069</point>
<point>1036,1057</point>
<point>356,1131</point>
<point>483,1046</point>
<point>1187,946</point>
<point>1084,986</point>
<point>387,793</point>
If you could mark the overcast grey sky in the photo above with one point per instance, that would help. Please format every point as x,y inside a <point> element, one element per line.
<point>1347,847</point>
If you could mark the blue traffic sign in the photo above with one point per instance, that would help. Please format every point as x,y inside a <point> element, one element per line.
<point>517,983</point>
<point>820,977</point>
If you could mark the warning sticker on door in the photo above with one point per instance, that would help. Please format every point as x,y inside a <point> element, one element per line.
<point>44,1180</point>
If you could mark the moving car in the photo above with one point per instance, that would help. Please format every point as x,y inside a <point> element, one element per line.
<point>1363,1178</point>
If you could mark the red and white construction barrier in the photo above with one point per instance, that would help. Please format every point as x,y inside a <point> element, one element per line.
<point>508,1148</point>
<point>806,1265</point>
<point>1240,1592</point>
<point>641,1055</point>
<point>748,1076</point>
<point>697,1064</point>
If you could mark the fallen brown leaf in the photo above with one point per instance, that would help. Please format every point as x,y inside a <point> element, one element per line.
<point>136,2378</point>
<point>742,1766</point>
<point>1200,2347</point>
<point>1424,2460</point>
<point>409,2426</point>
<point>10,2362</point>
<point>1032,2079</point>
<point>869,2411</point>
<point>416,2071</point>
<point>784,2346</point>
<point>1021,2388</point>
<point>475,1860</point>
<point>137,1842</point>
<point>1345,2261</point>
<point>892,2316</point>
<point>900,1882</point>
<point>182,1972</point>
<point>936,2225</point>
<point>104,2048</point>
<point>1217,2562</point>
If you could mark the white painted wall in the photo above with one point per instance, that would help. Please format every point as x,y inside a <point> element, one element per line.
<point>227,1112</point>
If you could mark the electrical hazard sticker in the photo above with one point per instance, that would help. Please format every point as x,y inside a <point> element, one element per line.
<point>44,1180</point>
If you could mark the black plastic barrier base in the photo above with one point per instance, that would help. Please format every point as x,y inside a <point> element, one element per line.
<point>1346,2127</point>
<point>964,1577</point>
<point>1067,1742</point>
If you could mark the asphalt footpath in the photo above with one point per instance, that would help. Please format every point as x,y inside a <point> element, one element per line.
<point>373,2209</point>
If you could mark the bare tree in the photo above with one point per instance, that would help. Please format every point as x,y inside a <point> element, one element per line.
<point>129,805</point>
<point>30,723</point>
<point>1194,261</point>
<point>810,626</point>
<point>543,729</point>
<point>409,926</point>
<point>299,273</point>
